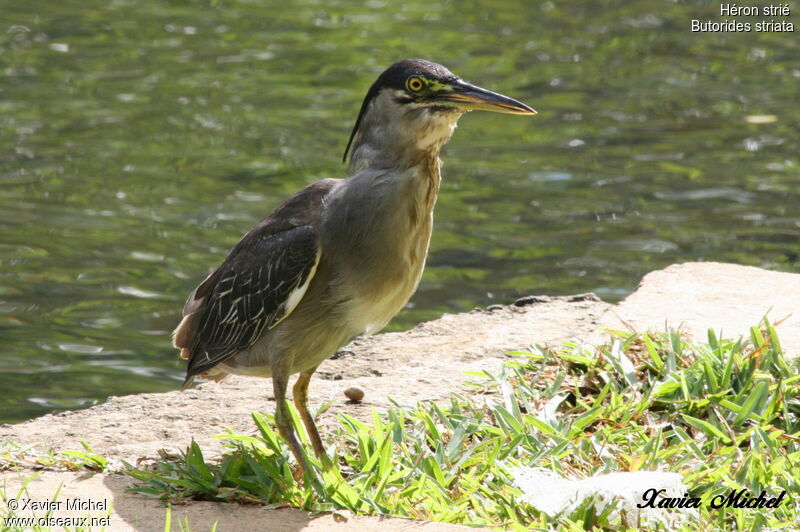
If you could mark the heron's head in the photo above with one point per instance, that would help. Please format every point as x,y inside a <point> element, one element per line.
<point>415,104</point>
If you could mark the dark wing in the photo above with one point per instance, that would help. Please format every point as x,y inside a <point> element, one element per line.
<point>261,281</point>
<point>255,288</point>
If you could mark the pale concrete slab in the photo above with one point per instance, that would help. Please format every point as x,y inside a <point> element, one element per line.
<point>729,298</point>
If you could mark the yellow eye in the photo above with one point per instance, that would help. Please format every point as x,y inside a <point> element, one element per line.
<point>414,84</point>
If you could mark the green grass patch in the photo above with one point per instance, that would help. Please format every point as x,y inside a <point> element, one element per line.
<point>15,456</point>
<point>723,414</point>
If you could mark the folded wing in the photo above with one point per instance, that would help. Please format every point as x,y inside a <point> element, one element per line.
<point>259,284</point>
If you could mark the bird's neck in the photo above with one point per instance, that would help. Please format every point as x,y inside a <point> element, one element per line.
<point>398,137</point>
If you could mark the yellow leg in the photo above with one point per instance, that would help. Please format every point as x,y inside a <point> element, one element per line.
<point>283,418</point>
<point>300,393</point>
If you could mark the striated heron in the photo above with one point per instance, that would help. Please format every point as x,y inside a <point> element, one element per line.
<point>342,256</point>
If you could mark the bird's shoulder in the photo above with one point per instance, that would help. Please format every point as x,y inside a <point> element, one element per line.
<point>303,208</point>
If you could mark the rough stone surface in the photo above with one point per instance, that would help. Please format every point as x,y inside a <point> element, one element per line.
<point>729,298</point>
<point>426,363</point>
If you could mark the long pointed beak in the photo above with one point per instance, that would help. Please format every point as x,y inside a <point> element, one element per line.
<point>470,97</point>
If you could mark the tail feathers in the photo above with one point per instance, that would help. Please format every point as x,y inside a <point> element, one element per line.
<point>187,383</point>
<point>207,376</point>
<point>182,338</point>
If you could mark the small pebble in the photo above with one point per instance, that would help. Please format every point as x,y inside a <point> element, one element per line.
<point>354,394</point>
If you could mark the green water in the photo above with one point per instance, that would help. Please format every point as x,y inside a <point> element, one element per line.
<point>140,139</point>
